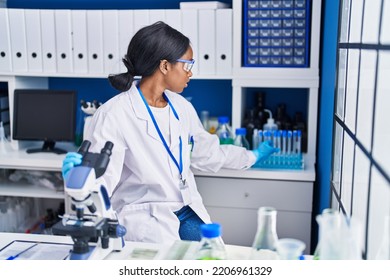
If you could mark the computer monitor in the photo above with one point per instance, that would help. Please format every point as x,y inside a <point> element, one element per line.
<point>44,115</point>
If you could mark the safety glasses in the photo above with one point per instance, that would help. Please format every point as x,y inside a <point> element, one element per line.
<point>188,64</point>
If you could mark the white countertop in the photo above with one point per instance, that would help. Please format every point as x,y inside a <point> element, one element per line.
<point>19,159</point>
<point>234,252</point>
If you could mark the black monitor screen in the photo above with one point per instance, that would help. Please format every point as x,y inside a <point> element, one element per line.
<point>44,115</point>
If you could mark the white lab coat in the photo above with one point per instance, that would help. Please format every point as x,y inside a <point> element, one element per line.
<point>142,179</point>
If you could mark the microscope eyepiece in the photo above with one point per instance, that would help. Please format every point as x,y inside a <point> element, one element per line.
<point>84,147</point>
<point>107,149</point>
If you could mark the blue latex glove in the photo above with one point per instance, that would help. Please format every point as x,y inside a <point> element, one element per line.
<point>264,151</point>
<point>71,159</point>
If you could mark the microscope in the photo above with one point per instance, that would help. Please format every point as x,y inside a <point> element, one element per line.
<point>92,223</point>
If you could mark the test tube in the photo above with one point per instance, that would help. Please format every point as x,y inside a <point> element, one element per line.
<point>289,136</point>
<point>260,137</point>
<point>275,142</point>
<point>267,135</point>
<point>299,143</point>
<point>284,143</point>
<point>255,139</point>
<point>294,142</point>
<point>279,145</point>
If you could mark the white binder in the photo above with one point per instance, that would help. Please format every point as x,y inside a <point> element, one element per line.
<point>189,27</point>
<point>79,31</point>
<point>156,15</point>
<point>141,19</point>
<point>111,42</point>
<point>173,18</point>
<point>126,32</point>
<point>5,42</point>
<point>33,37</point>
<point>95,41</point>
<point>63,29</point>
<point>18,40</point>
<point>224,41</point>
<point>207,48</point>
<point>48,41</point>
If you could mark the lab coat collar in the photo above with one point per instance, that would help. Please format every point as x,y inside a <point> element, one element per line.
<point>142,113</point>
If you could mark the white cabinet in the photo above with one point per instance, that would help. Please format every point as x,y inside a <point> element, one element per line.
<point>232,199</point>
<point>34,200</point>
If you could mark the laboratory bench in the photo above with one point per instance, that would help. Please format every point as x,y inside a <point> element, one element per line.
<point>131,250</point>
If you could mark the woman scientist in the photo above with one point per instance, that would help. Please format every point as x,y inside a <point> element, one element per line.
<point>157,138</point>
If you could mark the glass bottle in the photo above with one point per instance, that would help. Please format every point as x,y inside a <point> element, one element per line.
<point>264,245</point>
<point>240,139</point>
<point>204,117</point>
<point>249,123</point>
<point>224,132</point>
<point>260,114</point>
<point>211,246</point>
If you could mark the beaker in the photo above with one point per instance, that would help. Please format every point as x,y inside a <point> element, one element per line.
<point>290,248</point>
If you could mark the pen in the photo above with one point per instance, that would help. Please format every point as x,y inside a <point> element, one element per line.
<point>25,250</point>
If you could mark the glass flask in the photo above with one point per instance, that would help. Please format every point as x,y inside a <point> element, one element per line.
<point>264,245</point>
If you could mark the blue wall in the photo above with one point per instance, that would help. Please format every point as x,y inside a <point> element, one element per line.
<point>326,108</point>
<point>322,192</point>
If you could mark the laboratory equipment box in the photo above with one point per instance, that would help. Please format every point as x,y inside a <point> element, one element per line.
<point>276,33</point>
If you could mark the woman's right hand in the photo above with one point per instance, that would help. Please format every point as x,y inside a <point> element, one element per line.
<point>71,160</point>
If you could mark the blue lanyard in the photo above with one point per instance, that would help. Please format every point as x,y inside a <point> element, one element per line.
<point>179,166</point>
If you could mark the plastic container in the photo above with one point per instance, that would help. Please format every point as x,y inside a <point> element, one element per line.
<point>211,246</point>
<point>224,132</point>
<point>290,248</point>
<point>240,139</point>
<point>270,125</point>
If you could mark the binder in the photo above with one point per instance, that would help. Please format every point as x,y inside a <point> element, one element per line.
<point>156,15</point>
<point>203,5</point>
<point>18,40</point>
<point>207,52</point>
<point>141,19</point>
<point>5,42</point>
<point>63,31</point>
<point>224,41</point>
<point>33,38</point>
<point>79,31</point>
<point>126,32</point>
<point>173,18</point>
<point>111,41</point>
<point>189,27</point>
<point>95,41</point>
<point>48,34</point>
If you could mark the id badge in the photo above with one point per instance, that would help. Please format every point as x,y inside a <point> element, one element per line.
<point>185,192</point>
